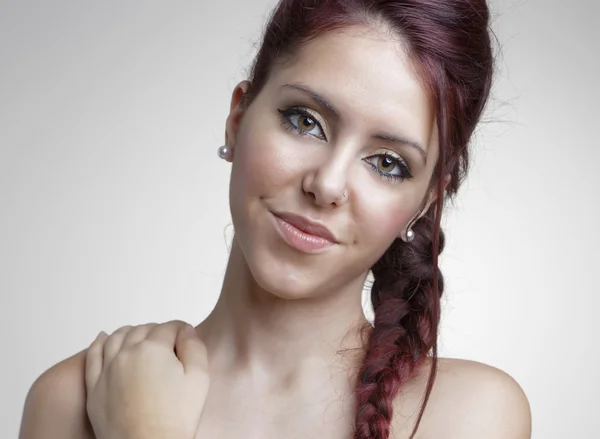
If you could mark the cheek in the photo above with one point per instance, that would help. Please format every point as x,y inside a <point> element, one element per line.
<point>264,169</point>
<point>258,163</point>
<point>383,217</point>
<point>268,161</point>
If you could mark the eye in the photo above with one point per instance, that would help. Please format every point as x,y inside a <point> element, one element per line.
<point>299,120</point>
<point>389,166</point>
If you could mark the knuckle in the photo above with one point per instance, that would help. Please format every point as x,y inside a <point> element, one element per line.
<point>97,344</point>
<point>175,323</point>
<point>112,343</point>
<point>149,327</point>
<point>142,330</point>
<point>170,327</point>
<point>122,330</point>
<point>137,331</point>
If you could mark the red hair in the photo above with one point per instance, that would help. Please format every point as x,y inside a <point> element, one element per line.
<point>449,42</point>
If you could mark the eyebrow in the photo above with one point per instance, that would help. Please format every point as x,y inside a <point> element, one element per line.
<point>321,100</point>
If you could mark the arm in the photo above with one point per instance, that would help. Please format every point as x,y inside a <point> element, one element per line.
<point>55,406</point>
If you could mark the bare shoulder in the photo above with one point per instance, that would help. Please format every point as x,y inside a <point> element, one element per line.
<point>473,400</point>
<point>55,403</point>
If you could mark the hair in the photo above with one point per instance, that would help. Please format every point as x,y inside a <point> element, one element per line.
<point>449,43</point>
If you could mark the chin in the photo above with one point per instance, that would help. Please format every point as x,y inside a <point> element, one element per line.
<point>284,278</point>
<point>276,267</point>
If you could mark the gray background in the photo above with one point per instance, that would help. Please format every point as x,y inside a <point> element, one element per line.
<point>114,206</point>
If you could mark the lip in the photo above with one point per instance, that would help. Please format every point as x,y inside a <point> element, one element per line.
<point>293,230</point>
<point>307,226</point>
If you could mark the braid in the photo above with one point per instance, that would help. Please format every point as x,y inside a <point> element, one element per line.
<point>405,329</point>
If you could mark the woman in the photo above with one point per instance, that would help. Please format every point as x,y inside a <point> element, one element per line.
<point>345,142</point>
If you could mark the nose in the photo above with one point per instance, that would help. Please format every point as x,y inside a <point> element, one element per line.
<point>326,183</point>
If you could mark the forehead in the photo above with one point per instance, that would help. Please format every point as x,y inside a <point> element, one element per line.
<point>368,76</point>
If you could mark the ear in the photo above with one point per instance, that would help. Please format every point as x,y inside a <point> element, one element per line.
<point>236,111</point>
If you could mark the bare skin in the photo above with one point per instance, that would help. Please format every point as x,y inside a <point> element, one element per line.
<point>470,400</point>
<point>283,342</point>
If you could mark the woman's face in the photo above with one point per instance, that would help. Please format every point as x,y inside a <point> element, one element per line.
<point>346,116</point>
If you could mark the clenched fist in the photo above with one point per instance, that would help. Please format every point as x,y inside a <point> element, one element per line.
<point>147,382</point>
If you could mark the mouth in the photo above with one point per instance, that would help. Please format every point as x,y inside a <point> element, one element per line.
<point>304,234</point>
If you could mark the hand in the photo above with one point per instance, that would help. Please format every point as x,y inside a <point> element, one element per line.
<point>147,382</point>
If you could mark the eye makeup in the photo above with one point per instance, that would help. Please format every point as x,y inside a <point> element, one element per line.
<point>297,118</point>
<point>387,157</point>
<point>291,119</point>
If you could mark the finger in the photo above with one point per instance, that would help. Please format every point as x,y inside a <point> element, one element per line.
<point>137,335</point>
<point>112,346</point>
<point>94,361</point>
<point>190,350</point>
<point>166,333</point>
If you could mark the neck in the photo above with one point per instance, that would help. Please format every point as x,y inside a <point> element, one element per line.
<point>253,332</point>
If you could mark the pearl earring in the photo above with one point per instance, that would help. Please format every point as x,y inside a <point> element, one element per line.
<point>225,152</point>
<point>410,235</point>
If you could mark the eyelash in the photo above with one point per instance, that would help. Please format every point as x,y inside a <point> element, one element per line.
<point>285,116</point>
<point>404,170</point>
